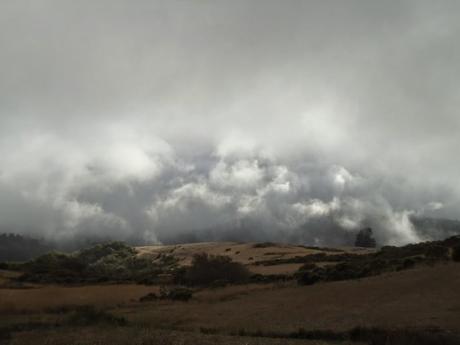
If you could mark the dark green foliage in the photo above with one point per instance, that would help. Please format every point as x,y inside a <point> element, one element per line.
<point>116,261</point>
<point>270,278</point>
<point>12,266</point>
<point>206,269</point>
<point>377,336</point>
<point>171,293</point>
<point>451,241</point>
<point>437,252</point>
<point>307,267</point>
<point>113,261</point>
<point>15,247</point>
<point>89,316</point>
<point>308,278</point>
<point>309,259</point>
<point>324,249</point>
<point>151,296</point>
<point>53,267</point>
<point>179,275</point>
<point>387,259</point>
<point>263,245</point>
<point>406,264</point>
<point>371,336</point>
<point>365,239</point>
<point>176,293</point>
<point>99,251</point>
<point>456,253</point>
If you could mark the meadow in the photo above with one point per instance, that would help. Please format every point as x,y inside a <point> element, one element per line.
<point>419,304</point>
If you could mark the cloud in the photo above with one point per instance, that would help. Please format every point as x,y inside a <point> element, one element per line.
<point>305,120</point>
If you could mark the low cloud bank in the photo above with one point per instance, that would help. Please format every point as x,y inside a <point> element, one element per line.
<point>277,120</point>
<point>146,191</point>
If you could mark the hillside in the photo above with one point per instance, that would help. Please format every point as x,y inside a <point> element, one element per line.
<point>361,296</point>
<point>253,255</point>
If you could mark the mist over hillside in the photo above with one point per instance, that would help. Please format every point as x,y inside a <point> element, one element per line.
<point>300,122</point>
<point>14,247</point>
<point>321,233</point>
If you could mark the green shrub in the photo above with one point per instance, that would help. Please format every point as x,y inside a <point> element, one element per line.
<point>176,294</point>
<point>307,267</point>
<point>456,253</point>
<point>88,316</point>
<point>263,245</point>
<point>206,269</point>
<point>364,238</point>
<point>151,296</point>
<point>437,252</point>
<point>270,278</point>
<point>99,251</point>
<point>308,278</point>
<point>54,262</point>
<point>407,263</point>
<point>114,261</point>
<point>53,267</point>
<point>110,267</point>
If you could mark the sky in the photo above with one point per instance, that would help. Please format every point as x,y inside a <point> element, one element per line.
<point>284,120</point>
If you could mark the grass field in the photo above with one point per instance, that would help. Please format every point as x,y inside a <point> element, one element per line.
<point>423,298</point>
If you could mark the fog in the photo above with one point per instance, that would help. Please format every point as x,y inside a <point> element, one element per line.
<point>289,120</point>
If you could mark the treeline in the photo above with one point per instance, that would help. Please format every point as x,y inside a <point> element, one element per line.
<point>387,259</point>
<point>113,261</point>
<point>118,262</point>
<point>14,247</point>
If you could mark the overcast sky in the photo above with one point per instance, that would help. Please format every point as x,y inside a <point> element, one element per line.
<point>145,119</point>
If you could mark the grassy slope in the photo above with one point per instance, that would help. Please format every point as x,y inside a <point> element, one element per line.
<point>421,297</point>
<point>245,253</point>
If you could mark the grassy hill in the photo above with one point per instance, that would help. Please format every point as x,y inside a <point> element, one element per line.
<point>362,296</point>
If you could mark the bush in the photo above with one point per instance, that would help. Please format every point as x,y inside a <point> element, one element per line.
<point>99,251</point>
<point>308,278</point>
<point>307,267</point>
<point>110,267</point>
<point>406,264</point>
<point>206,269</point>
<point>364,239</point>
<point>176,294</point>
<point>54,262</point>
<point>270,278</point>
<point>53,267</point>
<point>88,315</point>
<point>437,252</point>
<point>264,245</point>
<point>151,296</point>
<point>114,261</point>
<point>456,253</point>
<point>14,247</point>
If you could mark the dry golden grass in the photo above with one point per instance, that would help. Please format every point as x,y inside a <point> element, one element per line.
<point>46,297</point>
<point>245,253</point>
<point>142,336</point>
<point>422,297</point>
<point>274,269</point>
